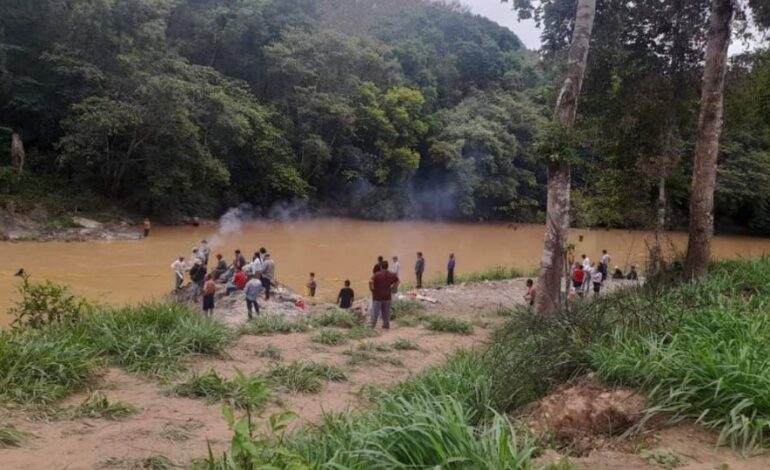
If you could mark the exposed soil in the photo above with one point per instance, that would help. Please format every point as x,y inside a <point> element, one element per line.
<point>38,225</point>
<point>181,428</point>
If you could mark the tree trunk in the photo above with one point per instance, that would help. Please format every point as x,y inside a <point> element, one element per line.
<point>704,174</point>
<point>552,265</point>
<point>656,253</point>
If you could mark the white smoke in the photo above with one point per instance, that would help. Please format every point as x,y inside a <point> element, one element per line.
<point>231,222</point>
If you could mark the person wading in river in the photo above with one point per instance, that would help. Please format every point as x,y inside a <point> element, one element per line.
<point>147,227</point>
<point>450,270</point>
<point>381,285</point>
<point>419,269</point>
<point>209,289</point>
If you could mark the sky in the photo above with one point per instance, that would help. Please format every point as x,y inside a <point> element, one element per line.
<point>502,14</point>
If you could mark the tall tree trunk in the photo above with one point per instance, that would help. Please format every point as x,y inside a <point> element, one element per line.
<point>656,253</point>
<point>704,175</point>
<point>552,265</point>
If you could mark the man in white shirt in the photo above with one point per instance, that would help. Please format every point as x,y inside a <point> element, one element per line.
<point>178,267</point>
<point>395,269</point>
<point>606,258</point>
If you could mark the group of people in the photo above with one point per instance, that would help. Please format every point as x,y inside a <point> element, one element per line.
<point>587,275</point>
<point>253,278</point>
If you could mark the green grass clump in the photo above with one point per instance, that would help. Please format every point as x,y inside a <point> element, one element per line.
<point>304,377</point>
<point>403,308</point>
<point>330,337</point>
<point>448,325</point>
<point>153,338</point>
<point>270,352</point>
<point>243,391</point>
<point>362,332</point>
<point>268,325</point>
<point>403,344</point>
<point>12,437</point>
<point>337,318</point>
<point>371,356</point>
<point>497,273</point>
<point>97,406</point>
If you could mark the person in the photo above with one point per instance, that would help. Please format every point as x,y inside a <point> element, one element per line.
<point>633,275</point>
<point>268,274</point>
<point>587,278</point>
<point>378,265</point>
<point>209,289</point>
<point>147,227</point>
<point>419,269</point>
<point>450,270</point>
<point>531,292</point>
<point>381,285</point>
<point>262,253</point>
<point>197,277</point>
<point>239,281</point>
<point>395,268</point>
<point>239,261</point>
<point>220,268</point>
<point>586,263</point>
<point>618,274</point>
<point>346,296</point>
<point>597,276</point>
<point>578,276</point>
<point>255,267</point>
<point>196,255</point>
<point>205,251</point>
<point>606,258</point>
<point>252,290</point>
<point>179,268</point>
<point>311,285</point>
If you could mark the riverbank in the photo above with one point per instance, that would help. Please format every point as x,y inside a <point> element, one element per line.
<point>40,226</point>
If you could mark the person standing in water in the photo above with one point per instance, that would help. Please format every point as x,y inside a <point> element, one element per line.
<point>311,285</point>
<point>419,269</point>
<point>450,270</point>
<point>252,290</point>
<point>346,296</point>
<point>209,289</point>
<point>178,267</point>
<point>147,227</point>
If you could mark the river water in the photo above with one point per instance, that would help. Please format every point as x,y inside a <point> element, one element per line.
<point>336,249</point>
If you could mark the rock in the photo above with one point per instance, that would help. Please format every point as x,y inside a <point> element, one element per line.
<point>87,223</point>
<point>587,409</point>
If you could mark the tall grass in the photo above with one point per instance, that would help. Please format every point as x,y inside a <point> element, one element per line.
<point>448,325</point>
<point>338,318</point>
<point>497,273</point>
<point>304,377</point>
<point>242,391</point>
<point>12,437</point>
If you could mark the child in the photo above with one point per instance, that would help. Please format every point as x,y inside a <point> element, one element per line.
<point>311,285</point>
<point>345,297</point>
<point>209,289</point>
<point>531,292</point>
<point>578,276</point>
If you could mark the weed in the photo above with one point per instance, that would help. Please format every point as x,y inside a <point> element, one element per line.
<point>403,344</point>
<point>305,377</point>
<point>369,346</point>
<point>97,406</point>
<point>369,356</point>
<point>12,437</point>
<point>448,325</point>
<point>243,391</point>
<point>330,337</point>
<point>407,307</point>
<point>362,332</point>
<point>337,318</point>
<point>664,458</point>
<point>270,352</point>
<point>46,303</point>
<point>266,325</point>
<point>154,462</point>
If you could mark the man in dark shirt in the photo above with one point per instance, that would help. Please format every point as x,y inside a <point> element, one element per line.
<point>346,296</point>
<point>381,284</point>
<point>419,269</point>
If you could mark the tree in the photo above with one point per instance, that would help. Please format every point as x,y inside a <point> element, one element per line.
<point>707,143</point>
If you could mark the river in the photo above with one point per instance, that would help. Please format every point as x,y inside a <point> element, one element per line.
<point>336,249</point>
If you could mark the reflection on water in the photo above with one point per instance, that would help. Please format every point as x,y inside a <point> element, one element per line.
<point>335,249</point>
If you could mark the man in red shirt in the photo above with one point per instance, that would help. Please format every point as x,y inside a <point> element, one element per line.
<point>578,276</point>
<point>382,284</point>
<point>239,281</point>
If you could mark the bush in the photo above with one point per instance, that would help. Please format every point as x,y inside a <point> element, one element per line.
<point>304,377</point>
<point>153,338</point>
<point>448,325</point>
<point>45,304</point>
<point>266,325</point>
<point>330,337</point>
<point>243,391</point>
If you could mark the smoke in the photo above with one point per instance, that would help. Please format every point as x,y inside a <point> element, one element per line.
<point>434,202</point>
<point>287,211</point>
<point>232,222</point>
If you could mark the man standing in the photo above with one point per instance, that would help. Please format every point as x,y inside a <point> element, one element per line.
<point>252,290</point>
<point>606,258</point>
<point>178,267</point>
<point>268,274</point>
<point>381,284</point>
<point>395,269</point>
<point>450,270</point>
<point>204,251</point>
<point>419,269</point>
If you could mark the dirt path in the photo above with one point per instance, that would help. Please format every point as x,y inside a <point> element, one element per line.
<point>180,428</point>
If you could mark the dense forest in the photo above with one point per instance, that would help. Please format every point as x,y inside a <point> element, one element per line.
<point>382,110</point>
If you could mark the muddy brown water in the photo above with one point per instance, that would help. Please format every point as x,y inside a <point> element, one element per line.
<point>118,272</point>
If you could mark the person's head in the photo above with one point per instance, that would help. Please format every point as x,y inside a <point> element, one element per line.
<point>419,254</point>
<point>195,250</point>
<point>384,265</point>
<point>580,267</point>
<point>312,275</point>
<point>208,277</point>
<point>395,259</point>
<point>380,259</point>
<point>237,252</point>
<point>530,283</point>
<point>204,242</point>
<point>604,252</point>
<point>181,258</point>
<point>347,283</point>
<point>583,256</point>
<point>267,256</point>
<point>256,255</point>
<point>633,268</point>
<point>219,255</point>
<point>237,269</point>
<point>262,250</point>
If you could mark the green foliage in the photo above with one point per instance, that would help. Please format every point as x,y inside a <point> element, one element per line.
<point>337,318</point>
<point>403,344</point>
<point>304,377</point>
<point>448,325</point>
<point>401,308</point>
<point>242,391</point>
<point>362,332</point>
<point>663,458</point>
<point>97,406</point>
<point>46,303</point>
<point>330,337</point>
<point>270,352</point>
<point>12,437</point>
<point>266,325</point>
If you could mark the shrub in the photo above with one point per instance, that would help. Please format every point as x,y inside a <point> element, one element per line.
<point>266,325</point>
<point>97,406</point>
<point>330,337</point>
<point>448,325</point>
<point>46,303</point>
<point>304,377</point>
<point>243,391</point>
